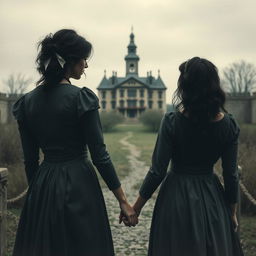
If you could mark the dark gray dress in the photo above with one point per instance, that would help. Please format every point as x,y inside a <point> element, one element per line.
<point>192,215</point>
<point>64,212</point>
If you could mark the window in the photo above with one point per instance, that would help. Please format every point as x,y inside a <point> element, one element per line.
<point>121,93</point>
<point>131,68</point>
<point>150,103</point>
<point>132,93</point>
<point>160,104</point>
<point>121,103</point>
<point>113,93</point>
<point>103,104</point>
<point>131,103</point>
<point>141,93</point>
<point>141,103</point>
<point>103,93</point>
<point>160,95</point>
<point>113,104</point>
<point>150,94</point>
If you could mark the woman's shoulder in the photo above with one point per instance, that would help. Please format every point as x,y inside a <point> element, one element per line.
<point>168,119</point>
<point>233,125</point>
<point>170,115</point>
<point>18,108</point>
<point>87,100</point>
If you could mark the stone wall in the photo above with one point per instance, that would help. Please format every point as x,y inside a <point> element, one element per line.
<point>241,108</point>
<point>253,107</point>
<point>6,102</point>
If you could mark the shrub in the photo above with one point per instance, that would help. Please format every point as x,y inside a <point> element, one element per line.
<point>152,119</point>
<point>10,145</point>
<point>110,119</point>
<point>11,157</point>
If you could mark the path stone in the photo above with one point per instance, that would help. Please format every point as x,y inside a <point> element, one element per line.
<point>132,241</point>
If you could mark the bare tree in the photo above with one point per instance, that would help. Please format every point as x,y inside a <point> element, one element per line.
<point>240,78</point>
<point>16,83</point>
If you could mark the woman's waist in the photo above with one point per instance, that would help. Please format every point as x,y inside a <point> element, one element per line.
<point>192,169</point>
<point>64,156</point>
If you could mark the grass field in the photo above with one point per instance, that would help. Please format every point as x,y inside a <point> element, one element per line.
<point>145,141</point>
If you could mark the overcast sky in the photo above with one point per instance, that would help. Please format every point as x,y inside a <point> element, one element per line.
<point>167,32</point>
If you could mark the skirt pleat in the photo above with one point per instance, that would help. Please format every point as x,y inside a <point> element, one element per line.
<point>192,218</point>
<point>64,213</point>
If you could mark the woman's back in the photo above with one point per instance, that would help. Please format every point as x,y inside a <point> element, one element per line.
<point>195,148</point>
<point>54,119</point>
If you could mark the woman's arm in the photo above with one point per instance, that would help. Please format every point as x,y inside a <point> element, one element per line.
<point>101,159</point>
<point>230,171</point>
<point>91,126</point>
<point>160,159</point>
<point>30,151</point>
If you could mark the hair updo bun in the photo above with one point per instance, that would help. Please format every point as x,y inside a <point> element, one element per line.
<point>48,46</point>
<point>66,44</point>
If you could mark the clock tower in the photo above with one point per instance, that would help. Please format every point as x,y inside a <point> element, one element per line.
<point>132,59</point>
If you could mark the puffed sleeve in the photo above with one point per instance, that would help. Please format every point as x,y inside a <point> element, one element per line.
<point>29,144</point>
<point>229,162</point>
<point>87,100</point>
<point>18,108</point>
<point>93,137</point>
<point>161,157</point>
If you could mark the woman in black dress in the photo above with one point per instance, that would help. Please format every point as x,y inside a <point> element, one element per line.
<point>193,214</point>
<point>64,213</point>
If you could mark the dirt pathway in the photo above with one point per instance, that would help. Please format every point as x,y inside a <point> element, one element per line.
<point>131,241</point>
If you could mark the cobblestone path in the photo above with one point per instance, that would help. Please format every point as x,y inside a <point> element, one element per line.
<point>132,241</point>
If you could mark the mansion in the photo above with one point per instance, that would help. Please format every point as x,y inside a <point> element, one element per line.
<point>131,95</point>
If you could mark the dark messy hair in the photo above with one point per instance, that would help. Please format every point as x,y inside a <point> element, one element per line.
<point>65,43</point>
<point>199,93</point>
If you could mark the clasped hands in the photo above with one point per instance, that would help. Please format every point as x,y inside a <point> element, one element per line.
<point>129,215</point>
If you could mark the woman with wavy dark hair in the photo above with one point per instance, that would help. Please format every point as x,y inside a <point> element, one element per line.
<point>193,214</point>
<point>64,212</point>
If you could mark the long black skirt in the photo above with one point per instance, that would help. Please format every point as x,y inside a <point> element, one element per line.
<point>192,218</point>
<point>64,213</point>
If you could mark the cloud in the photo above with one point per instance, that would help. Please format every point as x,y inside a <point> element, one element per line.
<point>166,33</point>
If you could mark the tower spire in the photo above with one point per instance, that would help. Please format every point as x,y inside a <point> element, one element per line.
<point>132,58</point>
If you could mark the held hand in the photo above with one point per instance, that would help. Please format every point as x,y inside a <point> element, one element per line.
<point>235,222</point>
<point>128,215</point>
<point>137,209</point>
<point>123,219</point>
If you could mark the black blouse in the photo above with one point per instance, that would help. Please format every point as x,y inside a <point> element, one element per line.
<point>63,121</point>
<point>194,150</point>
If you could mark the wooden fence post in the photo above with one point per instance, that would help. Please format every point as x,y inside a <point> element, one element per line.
<point>3,209</point>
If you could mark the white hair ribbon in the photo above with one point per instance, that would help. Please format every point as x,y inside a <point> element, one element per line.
<point>59,59</point>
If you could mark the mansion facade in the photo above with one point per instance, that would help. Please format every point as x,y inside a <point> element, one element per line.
<point>132,95</point>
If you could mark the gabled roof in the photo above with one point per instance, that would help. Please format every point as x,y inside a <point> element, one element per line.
<point>114,82</point>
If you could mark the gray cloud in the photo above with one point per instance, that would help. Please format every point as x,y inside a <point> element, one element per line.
<point>166,33</point>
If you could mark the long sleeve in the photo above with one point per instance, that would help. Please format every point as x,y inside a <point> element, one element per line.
<point>87,106</point>
<point>229,164</point>
<point>160,159</point>
<point>29,144</point>
<point>30,151</point>
<point>97,148</point>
